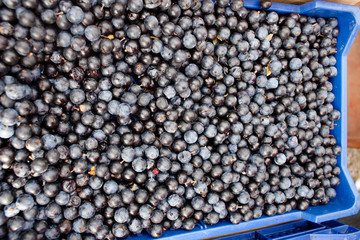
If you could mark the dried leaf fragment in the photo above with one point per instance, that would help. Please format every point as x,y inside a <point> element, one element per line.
<point>270,36</point>
<point>92,170</point>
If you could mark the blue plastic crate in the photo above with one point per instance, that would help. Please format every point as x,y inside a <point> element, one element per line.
<point>301,230</point>
<point>347,201</point>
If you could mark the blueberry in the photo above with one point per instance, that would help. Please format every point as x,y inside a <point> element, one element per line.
<point>189,41</point>
<point>92,33</point>
<point>75,15</point>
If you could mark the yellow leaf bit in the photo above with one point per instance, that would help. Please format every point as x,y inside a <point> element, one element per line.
<point>82,108</point>
<point>268,72</point>
<point>92,171</point>
<point>110,36</point>
<point>270,36</point>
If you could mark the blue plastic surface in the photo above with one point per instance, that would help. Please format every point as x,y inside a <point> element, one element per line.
<point>301,230</point>
<point>347,201</point>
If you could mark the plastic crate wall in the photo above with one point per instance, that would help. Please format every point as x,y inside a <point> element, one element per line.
<point>347,201</point>
<point>301,230</point>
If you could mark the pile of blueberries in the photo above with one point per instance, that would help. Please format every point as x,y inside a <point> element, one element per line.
<point>119,117</point>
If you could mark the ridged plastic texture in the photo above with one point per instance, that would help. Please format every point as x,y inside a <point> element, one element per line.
<point>301,230</point>
<point>347,200</point>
